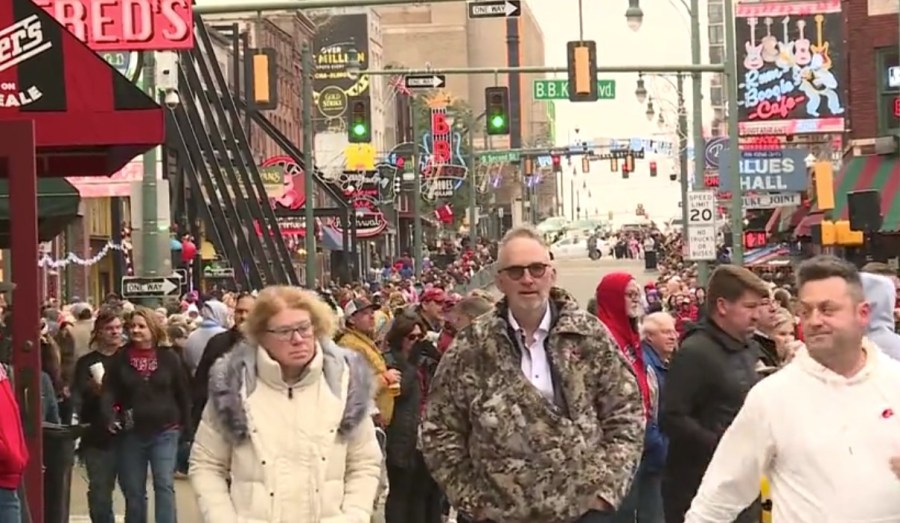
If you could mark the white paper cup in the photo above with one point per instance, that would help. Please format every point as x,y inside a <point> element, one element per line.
<point>97,371</point>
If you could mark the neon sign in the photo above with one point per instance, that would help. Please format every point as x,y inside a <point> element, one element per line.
<point>442,166</point>
<point>897,107</point>
<point>755,239</point>
<point>792,65</point>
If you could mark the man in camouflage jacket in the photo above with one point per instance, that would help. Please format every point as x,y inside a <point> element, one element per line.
<point>505,453</point>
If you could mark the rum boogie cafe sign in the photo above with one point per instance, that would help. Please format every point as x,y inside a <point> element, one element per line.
<point>783,170</point>
<point>126,25</point>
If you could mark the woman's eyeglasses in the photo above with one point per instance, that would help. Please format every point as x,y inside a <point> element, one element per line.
<point>414,336</point>
<point>287,333</point>
<point>517,272</point>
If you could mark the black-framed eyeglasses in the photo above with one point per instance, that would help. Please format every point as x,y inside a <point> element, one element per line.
<point>305,330</point>
<point>517,272</point>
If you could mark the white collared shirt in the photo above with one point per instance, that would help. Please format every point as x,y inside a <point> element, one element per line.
<point>535,364</point>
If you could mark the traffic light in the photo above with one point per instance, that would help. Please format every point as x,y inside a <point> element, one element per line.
<point>557,163</point>
<point>653,169</point>
<point>625,171</point>
<point>585,164</point>
<point>359,126</point>
<point>614,164</point>
<point>582,71</point>
<point>629,162</point>
<point>496,104</point>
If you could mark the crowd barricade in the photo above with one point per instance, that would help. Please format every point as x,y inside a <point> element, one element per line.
<point>480,280</point>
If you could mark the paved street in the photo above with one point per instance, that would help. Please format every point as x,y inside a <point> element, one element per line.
<point>580,276</point>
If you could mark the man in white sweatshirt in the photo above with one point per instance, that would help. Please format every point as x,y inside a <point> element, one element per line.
<point>825,430</point>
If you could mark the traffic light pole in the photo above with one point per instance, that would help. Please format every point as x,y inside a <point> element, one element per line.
<point>308,181</point>
<point>696,127</point>
<point>417,192</point>
<point>737,211</point>
<point>540,69</point>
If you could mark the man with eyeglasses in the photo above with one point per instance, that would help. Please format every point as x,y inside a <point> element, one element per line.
<point>533,415</point>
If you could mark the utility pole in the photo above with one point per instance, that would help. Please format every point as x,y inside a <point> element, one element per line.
<point>697,129</point>
<point>473,190</point>
<point>513,59</point>
<point>682,151</point>
<point>737,211</point>
<point>150,245</point>
<point>309,169</point>
<point>417,191</point>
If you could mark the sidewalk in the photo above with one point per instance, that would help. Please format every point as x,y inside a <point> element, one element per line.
<point>78,509</point>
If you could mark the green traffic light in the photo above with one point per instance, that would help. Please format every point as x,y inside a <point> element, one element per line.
<point>359,129</point>
<point>498,121</point>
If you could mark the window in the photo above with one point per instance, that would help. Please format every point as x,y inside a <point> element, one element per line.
<point>887,63</point>
<point>716,13</point>
<point>716,54</point>
<point>715,96</point>
<point>716,34</point>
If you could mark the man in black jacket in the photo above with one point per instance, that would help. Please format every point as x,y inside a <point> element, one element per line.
<point>708,379</point>
<point>218,346</point>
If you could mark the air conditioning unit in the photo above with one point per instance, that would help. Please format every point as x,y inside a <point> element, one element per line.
<point>875,146</point>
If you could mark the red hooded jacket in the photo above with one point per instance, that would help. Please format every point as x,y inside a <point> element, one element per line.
<point>611,311</point>
<point>13,450</point>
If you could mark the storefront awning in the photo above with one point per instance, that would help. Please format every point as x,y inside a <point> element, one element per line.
<point>57,201</point>
<point>89,120</point>
<point>880,173</point>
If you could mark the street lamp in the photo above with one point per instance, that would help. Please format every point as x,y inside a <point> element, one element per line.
<point>641,91</point>
<point>661,121</point>
<point>650,112</point>
<point>353,64</point>
<point>634,15</point>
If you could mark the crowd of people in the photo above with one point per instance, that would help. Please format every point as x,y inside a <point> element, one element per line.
<point>661,402</point>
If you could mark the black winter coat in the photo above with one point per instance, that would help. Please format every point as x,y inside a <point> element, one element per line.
<point>402,433</point>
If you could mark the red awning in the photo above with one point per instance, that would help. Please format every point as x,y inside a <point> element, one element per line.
<point>89,119</point>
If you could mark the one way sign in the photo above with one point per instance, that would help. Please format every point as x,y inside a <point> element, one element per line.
<point>495,9</point>
<point>425,81</point>
<point>157,287</point>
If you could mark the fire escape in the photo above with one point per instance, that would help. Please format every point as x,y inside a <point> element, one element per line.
<point>217,180</point>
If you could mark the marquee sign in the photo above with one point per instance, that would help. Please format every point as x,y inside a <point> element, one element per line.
<point>130,25</point>
<point>769,170</point>
<point>364,191</point>
<point>293,195</point>
<point>791,67</point>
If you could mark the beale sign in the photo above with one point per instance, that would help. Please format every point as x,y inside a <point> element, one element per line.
<point>126,25</point>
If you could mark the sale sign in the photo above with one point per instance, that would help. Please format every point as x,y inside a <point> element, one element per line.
<point>126,25</point>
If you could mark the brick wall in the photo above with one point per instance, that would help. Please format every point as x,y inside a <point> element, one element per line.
<point>864,34</point>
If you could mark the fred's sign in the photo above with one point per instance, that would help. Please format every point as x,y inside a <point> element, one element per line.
<point>764,171</point>
<point>126,25</point>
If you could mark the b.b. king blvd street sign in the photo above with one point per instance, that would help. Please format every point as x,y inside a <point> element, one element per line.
<point>553,89</point>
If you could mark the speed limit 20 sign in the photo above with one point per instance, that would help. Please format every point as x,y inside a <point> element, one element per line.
<point>701,226</point>
<point>701,208</point>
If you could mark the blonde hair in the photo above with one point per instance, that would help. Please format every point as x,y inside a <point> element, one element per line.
<point>782,316</point>
<point>160,337</point>
<point>277,298</point>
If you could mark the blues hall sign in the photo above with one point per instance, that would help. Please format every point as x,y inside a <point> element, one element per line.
<point>790,68</point>
<point>761,171</point>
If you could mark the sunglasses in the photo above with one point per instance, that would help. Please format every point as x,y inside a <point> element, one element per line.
<point>413,337</point>
<point>517,272</point>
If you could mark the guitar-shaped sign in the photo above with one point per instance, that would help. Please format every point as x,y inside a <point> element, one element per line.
<point>753,60</point>
<point>821,47</point>
<point>769,44</point>
<point>786,46</point>
<point>801,47</point>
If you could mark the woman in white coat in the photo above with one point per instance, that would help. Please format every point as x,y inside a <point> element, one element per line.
<point>287,433</point>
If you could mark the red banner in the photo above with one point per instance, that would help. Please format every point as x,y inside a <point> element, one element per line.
<point>126,25</point>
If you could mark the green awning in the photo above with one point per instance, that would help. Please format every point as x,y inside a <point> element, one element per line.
<point>865,173</point>
<point>57,201</point>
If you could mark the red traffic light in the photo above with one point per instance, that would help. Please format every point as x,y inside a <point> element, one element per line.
<point>653,169</point>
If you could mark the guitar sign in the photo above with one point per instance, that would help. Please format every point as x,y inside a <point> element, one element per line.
<point>791,84</point>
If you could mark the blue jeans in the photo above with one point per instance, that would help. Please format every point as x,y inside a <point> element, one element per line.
<point>10,508</point>
<point>100,465</point>
<point>135,452</point>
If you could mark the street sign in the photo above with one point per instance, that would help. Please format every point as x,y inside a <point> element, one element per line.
<point>701,226</point>
<point>558,89</point>
<point>156,287</point>
<point>495,9</point>
<point>218,272</point>
<point>425,81</point>
<point>502,157</point>
<point>771,201</point>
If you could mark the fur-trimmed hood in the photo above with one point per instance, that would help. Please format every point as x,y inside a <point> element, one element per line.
<point>233,378</point>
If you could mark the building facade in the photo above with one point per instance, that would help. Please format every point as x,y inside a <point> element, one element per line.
<point>442,36</point>
<point>874,87</point>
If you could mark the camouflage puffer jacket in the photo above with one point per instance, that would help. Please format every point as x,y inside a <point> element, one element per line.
<point>500,449</point>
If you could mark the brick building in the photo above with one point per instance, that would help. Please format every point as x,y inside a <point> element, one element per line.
<point>872,37</point>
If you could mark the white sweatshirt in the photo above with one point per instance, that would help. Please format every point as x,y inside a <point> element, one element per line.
<point>823,440</point>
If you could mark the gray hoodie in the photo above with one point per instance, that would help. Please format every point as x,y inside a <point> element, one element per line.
<point>215,320</point>
<point>881,295</point>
